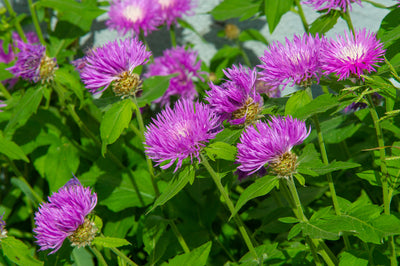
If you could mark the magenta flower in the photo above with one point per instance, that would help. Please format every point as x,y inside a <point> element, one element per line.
<point>271,143</point>
<point>331,4</point>
<point>134,15</point>
<point>171,10</point>
<point>32,63</point>
<point>3,231</point>
<point>177,61</point>
<point>237,99</point>
<point>179,133</point>
<point>296,62</point>
<point>6,56</point>
<point>352,55</point>
<point>113,63</point>
<point>65,216</point>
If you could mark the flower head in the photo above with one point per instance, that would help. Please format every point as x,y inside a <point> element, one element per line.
<point>296,62</point>
<point>171,10</point>
<point>134,15</point>
<point>179,133</point>
<point>6,56</point>
<point>331,4</point>
<point>352,55</point>
<point>3,231</point>
<point>237,99</point>
<point>65,216</point>
<point>114,63</point>
<point>177,61</point>
<point>33,63</point>
<point>271,143</point>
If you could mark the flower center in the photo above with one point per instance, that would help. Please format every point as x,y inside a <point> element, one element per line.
<point>284,165</point>
<point>47,68</point>
<point>84,235</point>
<point>352,52</point>
<point>180,130</point>
<point>133,13</point>
<point>127,84</point>
<point>165,3</point>
<point>231,31</point>
<point>249,110</point>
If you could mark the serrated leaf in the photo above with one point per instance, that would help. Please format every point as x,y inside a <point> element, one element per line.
<point>261,187</point>
<point>115,120</point>
<point>11,150</point>
<point>176,184</point>
<point>110,242</point>
<point>16,251</point>
<point>26,106</point>
<point>221,150</point>
<point>274,10</point>
<point>196,257</point>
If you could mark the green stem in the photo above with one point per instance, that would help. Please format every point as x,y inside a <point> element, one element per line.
<point>172,35</point>
<point>98,255</point>
<point>317,244</point>
<point>5,92</point>
<point>230,205</point>
<point>148,161</point>
<point>325,160</point>
<point>302,16</point>
<point>179,236</point>
<point>17,24</point>
<point>385,174</point>
<point>123,257</point>
<point>347,18</point>
<point>36,22</point>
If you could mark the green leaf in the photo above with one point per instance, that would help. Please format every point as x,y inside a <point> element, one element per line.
<point>70,81</point>
<point>26,106</point>
<point>110,242</point>
<point>274,10</point>
<point>320,104</point>
<point>11,150</point>
<point>98,222</point>
<point>335,166</point>
<point>235,9</point>
<point>373,177</point>
<point>259,188</point>
<point>300,179</point>
<point>296,102</point>
<point>288,220</point>
<point>325,22</point>
<point>221,150</point>
<point>353,257</point>
<point>196,257</point>
<point>115,120</point>
<point>295,230</point>
<point>153,88</point>
<point>176,184</point>
<point>252,35</point>
<point>154,227</point>
<point>24,187</point>
<point>16,251</point>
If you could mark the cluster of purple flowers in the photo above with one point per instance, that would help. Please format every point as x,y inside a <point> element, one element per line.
<point>304,60</point>
<point>146,15</point>
<point>65,216</point>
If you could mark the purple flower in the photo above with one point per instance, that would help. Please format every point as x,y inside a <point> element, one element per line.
<point>355,106</point>
<point>296,62</point>
<point>271,143</point>
<point>352,55</point>
<point>64,216</point>
<point>177,61</point>
<point>179,133</point>
<point>134,15</point>
<point>6,56</point>
<point>171,10</point>
<point>32,63</point>
<point>270,91</point>
<point>114,63</point>
<point>3,231</point>
<point>237,99</point>
<point>331,4</point>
